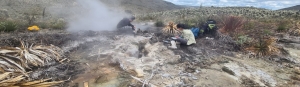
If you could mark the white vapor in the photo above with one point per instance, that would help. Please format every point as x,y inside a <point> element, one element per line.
<point>94,15</point>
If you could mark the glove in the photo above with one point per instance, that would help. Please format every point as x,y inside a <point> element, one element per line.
<point>133,28</point>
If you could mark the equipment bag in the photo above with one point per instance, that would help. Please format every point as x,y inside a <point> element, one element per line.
<point>195,31</point>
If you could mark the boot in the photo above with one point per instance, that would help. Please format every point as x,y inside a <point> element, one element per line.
<point>173,45</point>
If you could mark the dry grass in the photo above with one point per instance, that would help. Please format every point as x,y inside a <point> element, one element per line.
<point>18,59</point>
<point>171,29</point>
<point>7,80</point>
<point>296,30</point>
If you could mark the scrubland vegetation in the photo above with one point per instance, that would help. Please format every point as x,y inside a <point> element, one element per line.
<point>253,29</point>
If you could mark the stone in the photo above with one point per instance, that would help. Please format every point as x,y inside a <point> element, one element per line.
<point>139,72</point>
<point>295,77</point>
<point>297,71</point>
<point>174,60</point>
<point>242,70</point>
<point>227,70</point>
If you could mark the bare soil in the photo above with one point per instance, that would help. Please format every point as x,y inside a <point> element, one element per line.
<point>200,65</point>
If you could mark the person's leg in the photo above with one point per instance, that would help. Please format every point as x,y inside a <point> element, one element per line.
<point>182,41</point>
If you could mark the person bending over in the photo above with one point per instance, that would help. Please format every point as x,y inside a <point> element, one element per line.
<point>126,22</point>
<point>186,38</point>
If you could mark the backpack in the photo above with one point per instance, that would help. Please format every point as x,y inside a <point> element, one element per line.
<point>211,25</point>
<point>195,31</point>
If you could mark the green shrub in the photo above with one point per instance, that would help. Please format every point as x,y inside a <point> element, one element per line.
<point>43,25</point>
<point>242,39</point>
<point>249,25</point>
<point>190,23</point>
<point>8,26</point>
<point>159,24</point>
<point>59,25</point>
<point>281,28</point>
<point>267,32</point>
<point>147,17</point>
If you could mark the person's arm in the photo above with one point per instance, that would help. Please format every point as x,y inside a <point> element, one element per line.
<point>131,25</point>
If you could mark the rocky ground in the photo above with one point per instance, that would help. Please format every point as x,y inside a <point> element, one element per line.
<point>120,59</point>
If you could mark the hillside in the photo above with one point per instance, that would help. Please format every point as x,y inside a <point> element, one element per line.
<point>142,6</point>
<point>297,7</point>
<point>16,7</point>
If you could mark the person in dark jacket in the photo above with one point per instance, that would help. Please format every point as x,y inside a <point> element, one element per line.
<point>126,22</point>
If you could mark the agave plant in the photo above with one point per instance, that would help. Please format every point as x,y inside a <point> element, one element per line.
<point>17,59</point>
<point>264,47</point>
<point>171,29</point>
<point>6,80</point>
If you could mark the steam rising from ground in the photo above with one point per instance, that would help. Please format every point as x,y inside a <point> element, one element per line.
<point>93,15</point>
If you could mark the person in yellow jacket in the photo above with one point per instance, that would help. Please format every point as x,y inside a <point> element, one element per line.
<point>187,38</point>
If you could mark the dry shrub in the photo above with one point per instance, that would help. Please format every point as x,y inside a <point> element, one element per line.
<point>8,80</point>
<point>232,25</point>
<point>296,31</point>
<point>264,46</point>
<point>18,59</point>
<point>170,29</point>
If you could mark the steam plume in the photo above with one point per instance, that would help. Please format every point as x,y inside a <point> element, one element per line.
<point>94,15</point>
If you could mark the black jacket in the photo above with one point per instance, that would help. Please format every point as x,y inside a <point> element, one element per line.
<point>124,22</point>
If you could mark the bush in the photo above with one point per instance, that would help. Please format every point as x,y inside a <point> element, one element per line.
<point>232,25</point>
<point>267,32</point>
<point>281,28</point>
<point>8,26</point>
<point>249,25</point>
<point>159,24</point>
<point>243,39</point>
<point>264,46</point>
<point>59,24</point>
<point>147,17</point>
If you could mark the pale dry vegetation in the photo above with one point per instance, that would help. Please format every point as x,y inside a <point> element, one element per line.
<point>249,27</point>
<point>16,62</point>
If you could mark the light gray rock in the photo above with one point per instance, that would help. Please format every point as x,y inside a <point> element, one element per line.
<point>256,75</point>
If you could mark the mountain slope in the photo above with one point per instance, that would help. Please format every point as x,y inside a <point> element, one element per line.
<point>297,7</point>
<point>15,7</point>
<point>142,6</point>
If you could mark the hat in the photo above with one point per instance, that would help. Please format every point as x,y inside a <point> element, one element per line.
<point>132,17</point>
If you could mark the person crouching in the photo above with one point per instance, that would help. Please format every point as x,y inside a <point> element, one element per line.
<point>186,38</point>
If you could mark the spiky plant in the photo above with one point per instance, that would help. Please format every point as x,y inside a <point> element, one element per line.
<point>264,47</point>
<point>232,24</point>
<point>296,31</point>
<point>17,59</point>
<point>7,80</point>
<point>171,29</point>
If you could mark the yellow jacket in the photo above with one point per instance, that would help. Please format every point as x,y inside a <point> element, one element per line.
<point>189,36</point>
